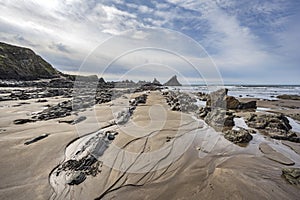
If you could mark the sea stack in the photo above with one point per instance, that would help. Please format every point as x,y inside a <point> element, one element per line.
<point>156,82</point>
<point>173,82</point>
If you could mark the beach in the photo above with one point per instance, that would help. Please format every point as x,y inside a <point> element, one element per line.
<point>137,146</point>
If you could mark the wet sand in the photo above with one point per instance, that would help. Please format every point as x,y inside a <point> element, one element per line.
<point>158,154</point>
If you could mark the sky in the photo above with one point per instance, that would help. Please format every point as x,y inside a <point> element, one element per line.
<point>235,41</point>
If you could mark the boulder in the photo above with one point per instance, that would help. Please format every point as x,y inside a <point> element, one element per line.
<point>219,119</point>
<point>238,136</point>
<point>216,99</point>
<point>232,102</point>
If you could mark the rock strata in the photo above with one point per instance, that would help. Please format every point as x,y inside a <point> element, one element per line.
<point>292,175</point>
<point>276,126</point>
<point>179,101</point>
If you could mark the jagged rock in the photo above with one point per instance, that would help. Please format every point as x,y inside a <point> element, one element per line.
<point>219,119</point>
<point>275,126</point>
<point>232,102</point>
<point>156,82</point>
<point>21,63</point>
<point>173,82</point>
<point>292,175</point>
<point>101,81</point>
<point>220,99</point>
<point>238,136</point>
<point>269,122</point>
<point>216,99</point>
<point>62,109</point>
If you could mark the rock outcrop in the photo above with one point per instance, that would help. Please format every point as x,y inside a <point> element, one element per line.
<point>173,82</point>
<point>21,63</point>
<point>275,126</point>
<point>180,101</point>
<point>220,99</point>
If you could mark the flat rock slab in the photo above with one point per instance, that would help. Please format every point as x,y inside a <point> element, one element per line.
<point>270,153</point>
<point>294,146</point>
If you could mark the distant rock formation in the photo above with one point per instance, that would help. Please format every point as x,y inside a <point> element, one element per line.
<point>21,63</point>
<point>156,82</point>
<point>101,80</point>
<point>173,82</point>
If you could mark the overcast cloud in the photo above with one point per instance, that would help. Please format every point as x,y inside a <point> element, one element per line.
<point>250,41</point>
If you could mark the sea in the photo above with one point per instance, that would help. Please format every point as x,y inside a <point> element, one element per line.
<point>269,92</point>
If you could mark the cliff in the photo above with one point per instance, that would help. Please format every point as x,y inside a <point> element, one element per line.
<point>21,63</point>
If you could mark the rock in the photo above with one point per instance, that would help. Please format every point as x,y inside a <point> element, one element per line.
<point>216,99</point>
<point>76,178</point>
<point>111,137</point>
<point>42,101</point>
<point>271,154</point>
<point>123,116</point>
<point>247,105</point>
<point>275,126</point>
<point>290,97</point>
<point>173,82</point>
<point>220,99</point>
<point>156,82</point>
<point>36,139</point>
<point>203,111</point>
<point>219,119</point>
<point>179,101</point>
<point>23,121</point>
<point>232,102</point>
<point>269,122</point>
<point>292,175</point>
<point>73,121</point>
<point>62,109</point>
<point>238,136</point>
<point>101,81</point>
<point>78,120</point>
<point>202,96</point>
